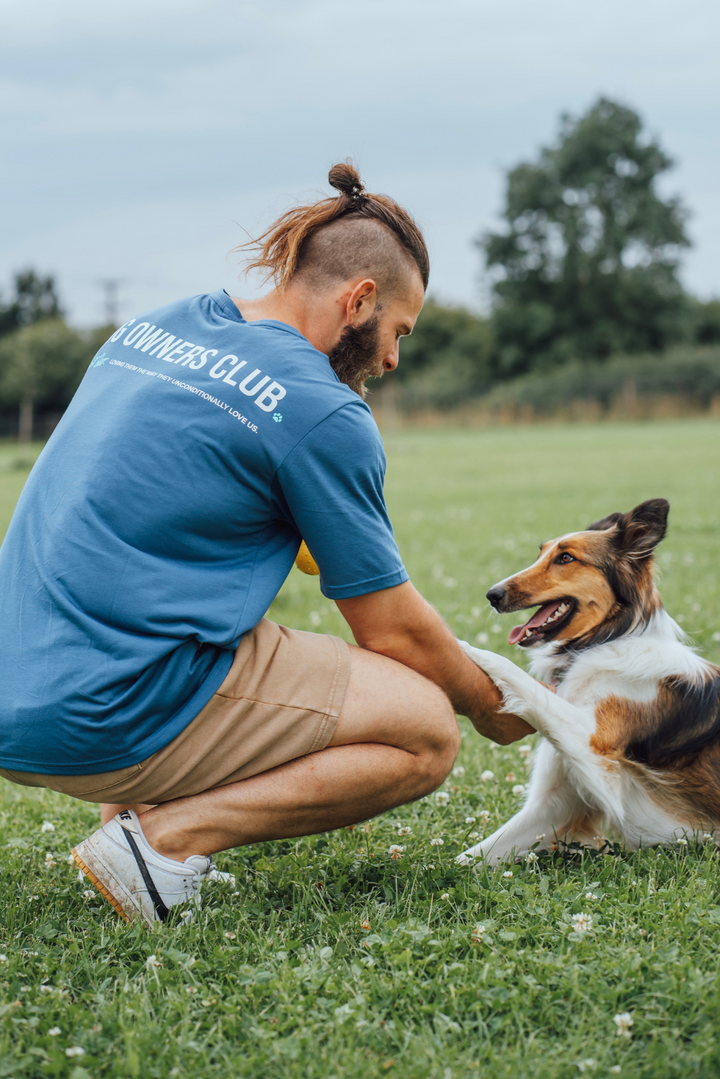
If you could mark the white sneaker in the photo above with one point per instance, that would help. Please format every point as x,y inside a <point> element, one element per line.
<point>134,878</point>
<point>213,876</point>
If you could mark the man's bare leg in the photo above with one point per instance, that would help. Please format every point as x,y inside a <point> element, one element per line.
<point>396,740</point>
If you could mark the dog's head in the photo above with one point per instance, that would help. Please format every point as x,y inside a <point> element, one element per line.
<point>590,586</point>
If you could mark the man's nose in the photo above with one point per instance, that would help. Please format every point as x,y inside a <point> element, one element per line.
<point>392,359</point>
<point>496,595</point>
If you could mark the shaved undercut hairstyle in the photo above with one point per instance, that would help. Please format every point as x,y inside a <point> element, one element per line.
<point>354,234</point>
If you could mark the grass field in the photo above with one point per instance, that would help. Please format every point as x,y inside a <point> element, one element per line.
<point>332,959</point>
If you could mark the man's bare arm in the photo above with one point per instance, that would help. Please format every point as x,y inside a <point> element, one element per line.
<point>399,623</point>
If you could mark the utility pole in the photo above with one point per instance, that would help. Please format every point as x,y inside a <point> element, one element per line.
<point>110,286</point>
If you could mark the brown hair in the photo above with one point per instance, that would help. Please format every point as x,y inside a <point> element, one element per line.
<point>336,238</point>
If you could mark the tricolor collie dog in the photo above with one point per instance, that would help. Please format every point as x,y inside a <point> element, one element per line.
<point>631,737</point>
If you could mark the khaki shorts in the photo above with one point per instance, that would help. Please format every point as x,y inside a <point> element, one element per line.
<point>281,700</point>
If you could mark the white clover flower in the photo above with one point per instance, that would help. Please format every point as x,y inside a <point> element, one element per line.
<point>525,750</point>
<point>487,775</point>
<point>437,842</point>
<point>532,857</point>
<point>405,831</point>
<point>89,894</point>
<point>623,1022</point>
<point>588,1065</point>
<point>458,770</point>
<point>519,788</point>
<point>47,826</point>
<point>230,935</point>
<point>396,851</point>
<point>3,958</point>
<point>54,1031</point>
<point>442,797</point>
<point>470,820</point>
<point>190,989</point>
<point>590,895</point>
<point>507,873</point>
<point>681,842</point>
<point>478,934</point>
<point>510,777</point>
<point>582,922</point>
<point>445,895</point>
<point>474,835</point>
<point>539,837</point>
<point>482,638</point>
<point>49,861</point>
<point>74,1051</point>
<point>70,860</point>
<point>152,961</point>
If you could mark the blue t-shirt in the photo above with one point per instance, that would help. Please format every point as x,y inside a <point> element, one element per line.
<point>162,518</point>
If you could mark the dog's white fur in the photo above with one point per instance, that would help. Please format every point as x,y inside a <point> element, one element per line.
<point>569,780</point>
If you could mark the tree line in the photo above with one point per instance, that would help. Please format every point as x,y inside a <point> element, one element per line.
<point>42,359</point>
<point>584,268</point>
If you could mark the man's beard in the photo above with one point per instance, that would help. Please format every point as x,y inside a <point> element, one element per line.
<point>356,356</point>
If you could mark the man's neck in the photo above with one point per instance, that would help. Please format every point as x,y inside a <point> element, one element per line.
<point>288,308</point>
<point>314,320</point>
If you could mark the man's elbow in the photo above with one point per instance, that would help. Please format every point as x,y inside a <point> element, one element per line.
<point>393,644</point>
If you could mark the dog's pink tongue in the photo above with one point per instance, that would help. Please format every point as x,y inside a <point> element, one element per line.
<point>537,619</point>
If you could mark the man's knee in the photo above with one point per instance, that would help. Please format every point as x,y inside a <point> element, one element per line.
<point>439,741</point>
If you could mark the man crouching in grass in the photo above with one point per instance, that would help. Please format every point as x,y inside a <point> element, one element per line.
<point>206,439</point>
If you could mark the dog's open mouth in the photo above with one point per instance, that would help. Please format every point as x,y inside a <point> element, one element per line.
<point>544,624</point>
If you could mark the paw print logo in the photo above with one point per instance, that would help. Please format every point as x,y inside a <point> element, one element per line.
<point>277,416</point>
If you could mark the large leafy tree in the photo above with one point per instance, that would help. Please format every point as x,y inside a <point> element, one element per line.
<point>40,362</point>
<point>587,263</point>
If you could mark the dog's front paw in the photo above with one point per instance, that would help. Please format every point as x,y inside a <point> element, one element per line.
<point>494,665</point>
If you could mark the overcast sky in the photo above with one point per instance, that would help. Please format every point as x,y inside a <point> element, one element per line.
<point>140,139</point>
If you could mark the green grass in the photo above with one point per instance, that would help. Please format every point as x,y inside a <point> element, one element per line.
<point>285,978</point>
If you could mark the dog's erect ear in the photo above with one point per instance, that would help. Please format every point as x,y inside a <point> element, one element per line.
<point>606,522</point>
<point>640,530</point>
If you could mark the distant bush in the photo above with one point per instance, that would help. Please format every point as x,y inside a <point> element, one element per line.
<point>687,372</point>
<point>445,360</point>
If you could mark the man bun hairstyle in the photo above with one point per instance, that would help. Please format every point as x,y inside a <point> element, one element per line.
<point>338,238</point>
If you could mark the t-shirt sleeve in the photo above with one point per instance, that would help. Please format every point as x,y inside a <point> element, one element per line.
<point>331,487</point>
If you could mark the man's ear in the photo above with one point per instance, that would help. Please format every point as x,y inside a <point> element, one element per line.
<point>361,302</point>
<point>641,529</point>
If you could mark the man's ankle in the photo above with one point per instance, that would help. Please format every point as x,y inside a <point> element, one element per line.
<point>163,840</point>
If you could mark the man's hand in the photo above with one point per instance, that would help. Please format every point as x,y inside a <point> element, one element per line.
<point>399,623</point>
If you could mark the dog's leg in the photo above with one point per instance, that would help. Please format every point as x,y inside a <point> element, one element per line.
<point>566,726</point>
<point>552,801</point>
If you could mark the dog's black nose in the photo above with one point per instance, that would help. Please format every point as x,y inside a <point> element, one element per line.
<point>496,595</point>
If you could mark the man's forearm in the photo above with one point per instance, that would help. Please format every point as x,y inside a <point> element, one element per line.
<point>400,624</point>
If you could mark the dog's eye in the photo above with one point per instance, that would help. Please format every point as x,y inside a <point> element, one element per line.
<point>564,558</point>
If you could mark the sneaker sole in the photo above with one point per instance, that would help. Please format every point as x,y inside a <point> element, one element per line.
<point>114,903</point>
